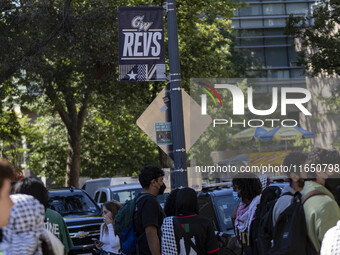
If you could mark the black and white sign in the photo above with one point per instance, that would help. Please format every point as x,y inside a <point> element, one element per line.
<point>141,44</point>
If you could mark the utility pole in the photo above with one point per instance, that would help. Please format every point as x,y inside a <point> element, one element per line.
<point>179,177</point>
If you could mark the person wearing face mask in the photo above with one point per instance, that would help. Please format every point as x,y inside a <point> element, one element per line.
<point>149,213</point>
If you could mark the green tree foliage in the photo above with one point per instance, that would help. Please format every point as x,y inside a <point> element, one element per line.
<point>109,147</point>
<point>67,51</point>
<point>320,38</point>
<point>13,130</point>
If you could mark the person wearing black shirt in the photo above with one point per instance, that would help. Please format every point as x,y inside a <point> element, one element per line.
<point>149,214</point>
<point>187,232</point>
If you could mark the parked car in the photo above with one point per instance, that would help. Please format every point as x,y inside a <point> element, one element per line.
<point>81,214</point>
<point>91,186</point>
<point>122,194</point>
<point>216,202</point>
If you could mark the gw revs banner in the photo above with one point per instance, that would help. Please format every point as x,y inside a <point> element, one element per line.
<point>141,44</point>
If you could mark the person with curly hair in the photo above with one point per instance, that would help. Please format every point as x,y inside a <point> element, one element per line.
<point>248,188</point>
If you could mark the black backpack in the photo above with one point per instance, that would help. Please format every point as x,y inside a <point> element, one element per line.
<point>290,232</point>
<point>262,216</point>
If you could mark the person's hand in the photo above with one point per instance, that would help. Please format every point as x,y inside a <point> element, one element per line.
<point>108,220</point>
<point>99,244</point>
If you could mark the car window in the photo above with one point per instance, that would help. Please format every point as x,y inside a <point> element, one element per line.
<point>124,195</point>
<point>96,197</point>
<point>103,197</point>
<point>73,204</point>
<point>225,206</point>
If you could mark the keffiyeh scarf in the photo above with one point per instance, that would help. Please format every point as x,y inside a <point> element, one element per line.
<point>25,230</point>
<point>245,214</point>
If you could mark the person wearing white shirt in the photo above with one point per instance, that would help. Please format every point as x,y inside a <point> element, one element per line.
<point>109,243</point>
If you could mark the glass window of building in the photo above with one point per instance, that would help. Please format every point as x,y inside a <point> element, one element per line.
<point>273,9</point>
<point>252,10</point>
<point>235,24</point>
<point>297,8</point>
<point>251,23</point>
<point>279,74</point>
<point>273,31</point>
<point>275,41</point>
<point>293,55</point>
<point>274,22</point>
<point>257,57</point>
<point>296,73</point>
<point>251,42</point>
<point>251,32</point>
<point>276,56</point>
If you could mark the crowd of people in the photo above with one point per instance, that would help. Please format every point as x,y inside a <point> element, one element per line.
<point>302,218</point>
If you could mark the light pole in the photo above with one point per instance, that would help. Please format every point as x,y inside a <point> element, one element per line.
<point>179,177</point>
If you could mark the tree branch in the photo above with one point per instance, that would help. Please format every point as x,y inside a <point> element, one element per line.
<point>16,64</point>
<point>57,105</point>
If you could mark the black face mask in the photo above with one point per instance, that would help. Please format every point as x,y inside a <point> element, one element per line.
<point>161,189</point>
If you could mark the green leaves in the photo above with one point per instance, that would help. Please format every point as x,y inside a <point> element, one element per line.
<point>320,38</point>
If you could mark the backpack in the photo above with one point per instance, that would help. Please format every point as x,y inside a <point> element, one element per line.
<point>187,239</point>
<point>262,223</point>
<point>290,232</point>
<point>124,226</point>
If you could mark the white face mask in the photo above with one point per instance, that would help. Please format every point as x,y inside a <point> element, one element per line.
<point>236,197</point>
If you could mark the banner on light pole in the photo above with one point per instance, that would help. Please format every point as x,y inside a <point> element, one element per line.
<point>141,44</point>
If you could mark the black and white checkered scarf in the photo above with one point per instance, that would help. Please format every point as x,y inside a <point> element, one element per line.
<point>25,230</point>
<point>169,246</point>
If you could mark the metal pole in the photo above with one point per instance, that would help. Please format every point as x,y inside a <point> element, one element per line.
<point>179,177</point>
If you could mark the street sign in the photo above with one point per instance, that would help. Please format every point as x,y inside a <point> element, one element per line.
<point>163,133</point>
<point>141,44</point>
<point>194,123</point>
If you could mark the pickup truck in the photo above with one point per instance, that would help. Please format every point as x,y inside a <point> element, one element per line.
<point>81,214</point>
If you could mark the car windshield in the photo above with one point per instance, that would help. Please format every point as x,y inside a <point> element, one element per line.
<point>73,204</point>
<point>125,195</point>
<point>225,206</point>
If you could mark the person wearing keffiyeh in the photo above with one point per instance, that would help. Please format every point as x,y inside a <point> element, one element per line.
<point>249,188</point>
<point>25,232</point>
<point>188,225</point>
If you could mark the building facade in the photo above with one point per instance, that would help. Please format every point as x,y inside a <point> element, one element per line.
<point>259,29</point>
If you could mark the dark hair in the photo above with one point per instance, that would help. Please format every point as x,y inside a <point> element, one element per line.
<point>186,202</point>
<point>268,197</point>
<point>113,206</point>
<point>248,184</point>
<point>34,187</point>
<point>321,156</point>
<point>170,204</point>
<point>149,173</point>
<point>293,161</point>
<point>7,171</point>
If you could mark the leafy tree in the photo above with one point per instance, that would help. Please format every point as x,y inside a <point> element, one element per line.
<point>319,36</point>
<point>13,129</point>
<point>109,146</point>
<point>67,50</point>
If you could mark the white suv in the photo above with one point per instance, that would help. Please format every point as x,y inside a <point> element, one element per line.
<point>122,193</point>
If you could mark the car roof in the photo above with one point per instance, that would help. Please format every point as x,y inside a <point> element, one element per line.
<point>65,190</point>
<point>122,187</point>
<point>98,180</point>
